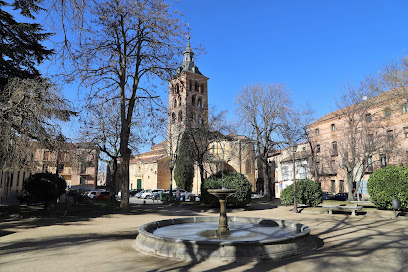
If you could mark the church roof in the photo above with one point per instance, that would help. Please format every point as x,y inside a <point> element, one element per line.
<point>188,62</point>
<point>157,152</point>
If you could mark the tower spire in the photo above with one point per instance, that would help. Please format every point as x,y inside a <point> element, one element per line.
<point>188,58</point>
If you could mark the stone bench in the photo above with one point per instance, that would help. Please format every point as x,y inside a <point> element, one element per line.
<point>332,208</point>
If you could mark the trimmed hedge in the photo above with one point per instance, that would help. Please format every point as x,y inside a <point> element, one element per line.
<point>386,182</point>
<point>232,180</point>
<point>308,192</point>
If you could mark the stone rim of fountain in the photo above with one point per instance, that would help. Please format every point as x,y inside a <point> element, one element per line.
<point>222,250</point>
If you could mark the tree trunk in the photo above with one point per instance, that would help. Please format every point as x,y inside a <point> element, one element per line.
<point>350,186</point>
<point>268,187</point>
<point>124,169</point>
<point>201,167</point>
<point>113,171</point>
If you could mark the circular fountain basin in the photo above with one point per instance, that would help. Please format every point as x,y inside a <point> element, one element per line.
<point>251,239</point>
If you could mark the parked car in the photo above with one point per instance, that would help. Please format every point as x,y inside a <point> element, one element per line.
<point>149,193</point>
<point>135,191</point>
<point>183,194</point>
<point>341,196</point>
<point>102,196</point>
<point>328,196</point>
<point>139,194</point>
<point>91,194</point>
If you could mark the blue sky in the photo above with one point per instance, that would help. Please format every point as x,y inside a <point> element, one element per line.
<point>313,47</point>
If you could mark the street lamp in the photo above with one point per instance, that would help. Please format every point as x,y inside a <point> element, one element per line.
<point>293,147</point>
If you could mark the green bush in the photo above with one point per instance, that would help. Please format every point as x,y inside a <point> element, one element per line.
<point>308,192</point>
<point>231,180</point>
<point>387,182</point>
<point>44,187</point>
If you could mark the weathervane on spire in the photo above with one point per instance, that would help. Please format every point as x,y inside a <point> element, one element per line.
<point>188,33</point>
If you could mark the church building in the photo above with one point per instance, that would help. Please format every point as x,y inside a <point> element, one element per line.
<point>188,108</point>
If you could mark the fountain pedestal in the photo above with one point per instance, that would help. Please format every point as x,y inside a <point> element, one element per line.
<point>222,194</point>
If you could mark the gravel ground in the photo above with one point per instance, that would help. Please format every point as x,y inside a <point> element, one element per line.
<point>104,243</point>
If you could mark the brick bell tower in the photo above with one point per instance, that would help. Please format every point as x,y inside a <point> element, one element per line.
<point>188,99</point>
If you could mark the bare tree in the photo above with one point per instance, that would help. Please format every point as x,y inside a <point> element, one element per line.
<point>202,134</point>
<point>362,132</point>
<point>263,108</point>
<point>128,44</point>
<point>395,76</point>
<point>100,125</point>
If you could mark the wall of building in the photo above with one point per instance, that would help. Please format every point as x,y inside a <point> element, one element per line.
<point>11,185</point>
<point>387,119</point>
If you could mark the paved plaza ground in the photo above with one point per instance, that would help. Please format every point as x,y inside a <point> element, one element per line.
<point>104,243</point>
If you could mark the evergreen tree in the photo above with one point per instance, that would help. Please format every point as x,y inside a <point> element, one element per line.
<point>184,171</point>
<point>20,43</point>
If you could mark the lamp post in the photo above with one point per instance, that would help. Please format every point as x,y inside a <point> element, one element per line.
<point>293,147</point>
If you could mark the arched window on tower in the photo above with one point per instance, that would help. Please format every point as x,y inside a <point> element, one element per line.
<point>190,83</point>
<point>196,87</point>
<point>180,116</point>
<point>202,88</point>
<point>199,102</point>
<point>177,88</point>
<point>175,103</point>
<point>173,118</point>
<point>193,100</point>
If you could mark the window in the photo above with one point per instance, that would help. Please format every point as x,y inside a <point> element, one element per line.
<point>173,118</point>
<point>370,139</point>
<point>83,168</point>
<point>369,164</point>
<point>46,156</point>
<point>285,173</point>
<point>387,112</point>
<point>193,100</point>
<point>390,135</point>
<point>368,117</point>
<point>383,159</point>
<point>196,87</point>
<point>333,186</point>
<point>341,186</point>
<point>177,88</point>
<point>82,180</point>
<point>319,171</point>
<point>318,148</point>
<point>333,166</point>
<point>333,127</point>
<point>202,88</point>
<point>405,108</point>
<point>317,131</point>
<point>175,103</point>
<point>62,156</point>
<point>180,116</point>
<point>334,149</point>
<point>199,102</point>
<point>190,83</point>
<point>61,168</point>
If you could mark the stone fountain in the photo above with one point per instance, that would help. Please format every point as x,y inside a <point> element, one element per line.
<point>222,194</point>
<point>237,239</point>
